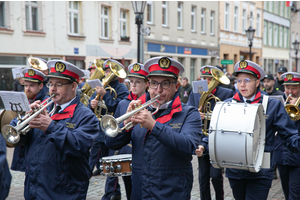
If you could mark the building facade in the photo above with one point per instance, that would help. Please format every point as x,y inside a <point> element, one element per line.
<point>77,32</point>
<point>234,18</point>
<point>276,36</point>
<point>184,30</point>
<point>295,31</point>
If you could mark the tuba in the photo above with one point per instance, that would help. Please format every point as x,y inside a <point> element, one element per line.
<point>37,63</point>
<point>86,91</point>
<point>12,133</point>
<point>292,109</point>
<point>116,70</point>
<point>218,77</point>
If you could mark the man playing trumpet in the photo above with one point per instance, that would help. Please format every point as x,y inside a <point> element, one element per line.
<point>162,146</point>
<point>57,146</point>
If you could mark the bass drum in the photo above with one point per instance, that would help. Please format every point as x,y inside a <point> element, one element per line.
<point>237,136</point>
<point>5,118</point>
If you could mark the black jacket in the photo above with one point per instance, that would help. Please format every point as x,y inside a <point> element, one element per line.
<point>184,93</point>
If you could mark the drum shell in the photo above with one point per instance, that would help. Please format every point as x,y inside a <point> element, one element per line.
<point>124,160</point>
<point>237,136</point>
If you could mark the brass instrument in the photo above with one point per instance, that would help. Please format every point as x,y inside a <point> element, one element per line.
<point>12,134</point>
<point>218,77</point>
<point>86,91</point>
<point>37,63</point>
<point>116,70</point>
<point>110,125</point>
<point>6,116</point>
<point>292,109</point>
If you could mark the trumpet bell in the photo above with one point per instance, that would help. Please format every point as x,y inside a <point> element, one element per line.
<point>110,126</point>
<point>10,134</point>
<point>293,112</point>
<point>37,63</point>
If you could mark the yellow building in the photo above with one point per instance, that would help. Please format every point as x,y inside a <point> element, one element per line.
<point>234,18</point>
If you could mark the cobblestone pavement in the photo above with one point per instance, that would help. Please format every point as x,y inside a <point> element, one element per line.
<point>97,183</point>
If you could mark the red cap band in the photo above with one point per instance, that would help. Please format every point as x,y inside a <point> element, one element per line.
<point>142,72</point>
<point>156,67</point>
<point>35,77</point>
<point>251,69</point>
<point>294,79</point>
<point>66,72</point>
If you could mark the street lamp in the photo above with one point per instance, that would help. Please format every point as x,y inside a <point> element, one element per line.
<point>138,7</point>
<point>250,35</point>
<point>296,47</point>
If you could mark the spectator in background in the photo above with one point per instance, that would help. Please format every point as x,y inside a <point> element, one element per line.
<point>81,83</point>
<point>279,81</point>
<point>185,90</point>
<point>18,85</point>
<point>268,84</point>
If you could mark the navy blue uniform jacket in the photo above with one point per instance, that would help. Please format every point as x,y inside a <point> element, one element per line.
<point>220,92</point>
<point>161,159</point>
<point>5,176</point>
<point>57,159</point>
<point>110,102</point>
<point>19,151</point>
<point>276,120</point>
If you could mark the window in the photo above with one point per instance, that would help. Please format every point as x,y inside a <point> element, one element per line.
<point>193,19</point>
<point>2,14</point>
<point>287,9</point>
<point>227,16</point>
<point>257,32</point>
<point>275,41</point>
<point>212,22</point>
<point>271,6</point>
<point>282,6</point>
<point>123,23</point>
<point>236,19</point>
<point>285,38</point>
<point>266,3</point>
<point>251,19</point>
<point>244,20</point>
<point>280,36</point>
<point>265,33</point>
<point>164,13</point>
<point>293,37</point>
<point>31,10</point>
<point>179,15</point>
<point>74,17</point>
<point>203,12</point>
<point>270,32</point>
<point>149,12</point>
<point>276,7</point>
<point>192,69</point>
<point>105,22</point>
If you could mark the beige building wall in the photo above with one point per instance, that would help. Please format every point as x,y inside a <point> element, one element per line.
<point>295,35</point>
<point>234,44</point>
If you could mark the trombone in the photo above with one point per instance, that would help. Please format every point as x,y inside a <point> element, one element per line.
<point>292,109</point>
<point>12,133</point>
<point>110,125</point>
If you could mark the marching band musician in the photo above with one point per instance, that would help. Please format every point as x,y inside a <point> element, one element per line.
<point>206,170</point>
<point>33,87</point>
<point>57,146</point>
<point>138,84</point>
<point>246,184</point>
<point>99,149</point>
<point>5,176</point>
<point>162,146</point>
<point>288,163</point>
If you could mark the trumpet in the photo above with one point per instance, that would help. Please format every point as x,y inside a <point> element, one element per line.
<point>292,109</point>
<point>110,125</point>
<point>12,133</point>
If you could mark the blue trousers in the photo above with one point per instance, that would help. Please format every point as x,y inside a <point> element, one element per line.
<point>250,189</point>
<point>207,171</point>
<point>290,181</point>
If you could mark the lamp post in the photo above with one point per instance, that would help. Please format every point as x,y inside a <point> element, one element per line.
<point>250,35</point>
<point>296,47</point>
<point>138,7</point>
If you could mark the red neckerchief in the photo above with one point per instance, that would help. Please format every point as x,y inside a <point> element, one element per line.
<point>67,113</point>
<point>214,91</point>
<point>176,107</point>
<point>132,96</point>
<point>257,97</point>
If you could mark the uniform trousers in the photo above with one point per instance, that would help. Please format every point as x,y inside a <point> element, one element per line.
<point>206,170</point>
<point>250,189</point>
<point>290,181</point>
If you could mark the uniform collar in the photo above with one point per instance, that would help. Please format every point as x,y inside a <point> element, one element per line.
<point>257,97</point>
<point>68,112</point>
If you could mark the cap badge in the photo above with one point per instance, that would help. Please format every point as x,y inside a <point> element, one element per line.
<point>206,69</point>
<point>136,67</point>
<point>60,67</point>
<point>164,62</point>
<point>31,72</point>
<point>243,64</point>
<point>289,76</point>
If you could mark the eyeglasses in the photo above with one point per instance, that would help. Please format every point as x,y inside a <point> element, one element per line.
<point>163,85</point>
<point>246,80</point>
<point>57,85</point>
